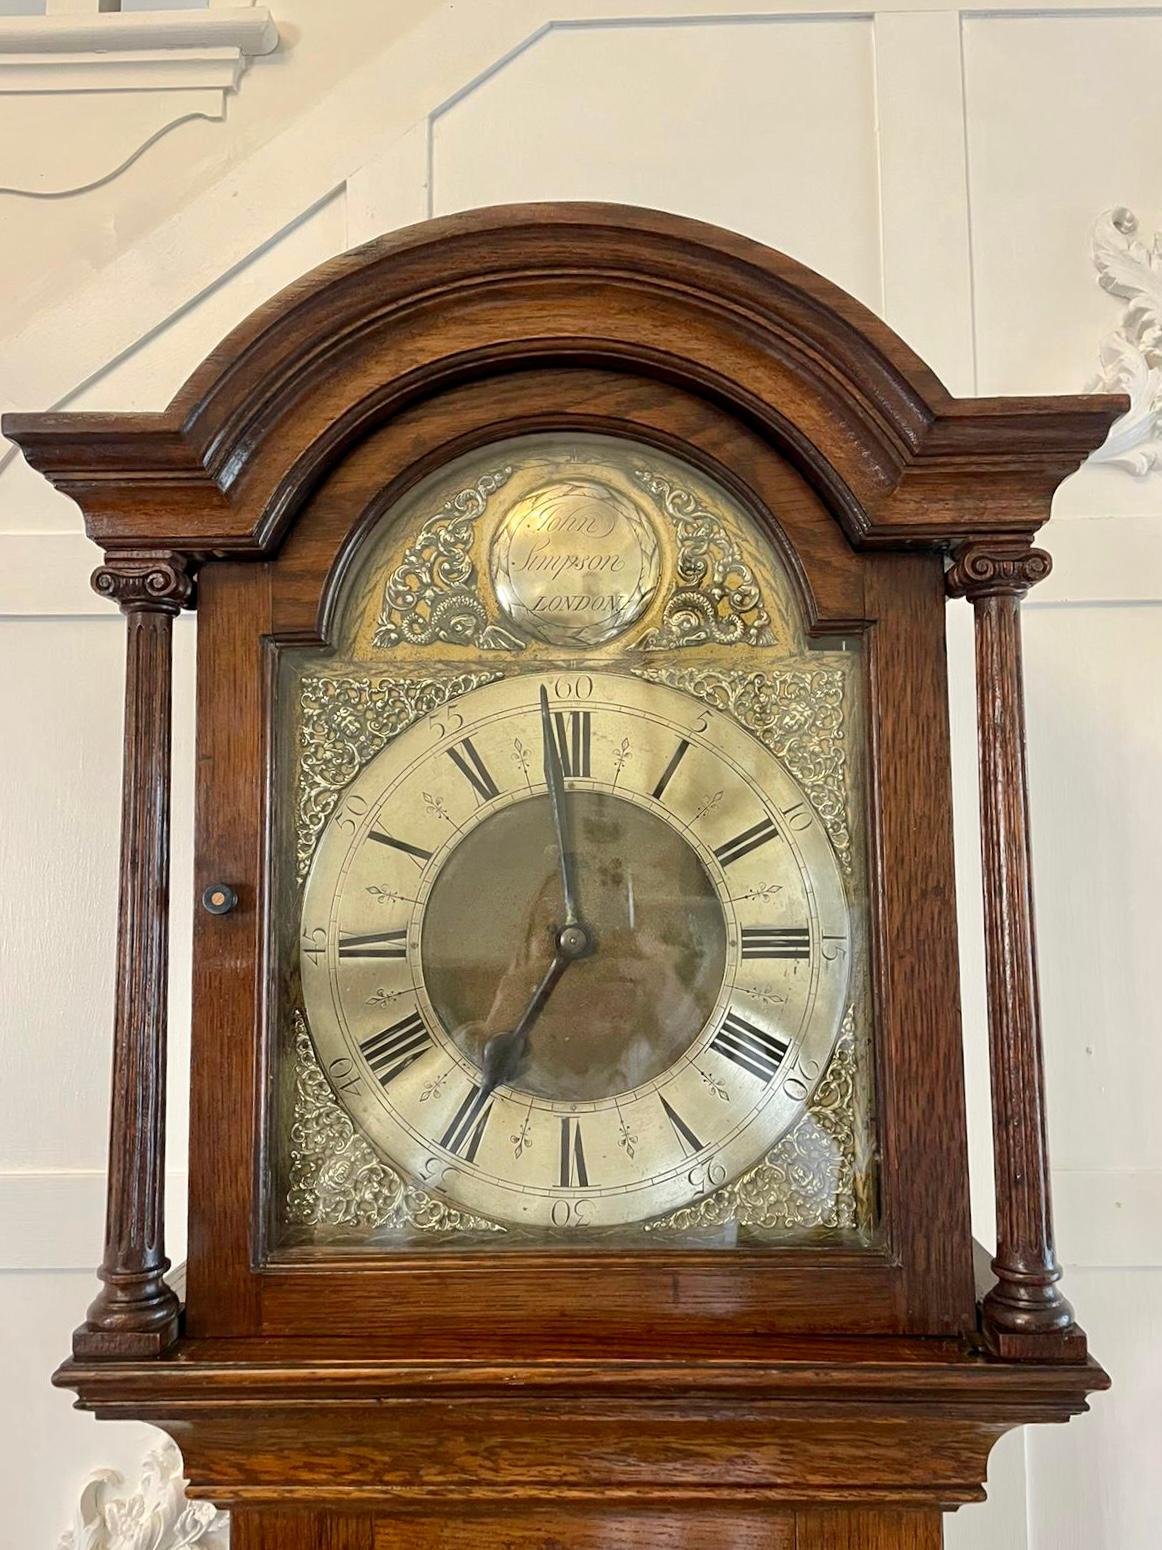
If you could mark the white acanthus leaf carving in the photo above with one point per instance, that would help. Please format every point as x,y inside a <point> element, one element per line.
<point>114,1515</point>
<point>1131,357</point>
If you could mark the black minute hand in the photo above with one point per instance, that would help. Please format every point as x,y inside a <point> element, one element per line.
<point>555,780</point>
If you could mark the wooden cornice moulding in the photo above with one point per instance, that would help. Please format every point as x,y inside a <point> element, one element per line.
<point>866,1421</point>
<point>468,296</point>
<point>891,1374</point>
<point>890,1421</point>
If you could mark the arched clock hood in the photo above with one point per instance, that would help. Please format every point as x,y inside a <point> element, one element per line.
<point>813,1393</point>
<point>495,291</point>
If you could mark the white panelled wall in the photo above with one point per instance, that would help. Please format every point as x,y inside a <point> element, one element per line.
<point>945,167</point>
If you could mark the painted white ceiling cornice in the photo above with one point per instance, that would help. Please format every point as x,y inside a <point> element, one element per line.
<point>153,69</point>
<point>246,27</point>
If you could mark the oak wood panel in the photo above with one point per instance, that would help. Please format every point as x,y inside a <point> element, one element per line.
<point>435,1452</point>
<point>301,1530</point>
<point>868,1531</point>
<point>226,1057</point>
<point>535,1301</point>
<point>921,1095</point>
<point>568,1527</point>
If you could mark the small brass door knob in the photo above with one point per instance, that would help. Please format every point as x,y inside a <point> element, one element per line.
<point>219,899</point>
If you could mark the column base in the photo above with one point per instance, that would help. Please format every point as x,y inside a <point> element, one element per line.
<point>1051,1345</point>
<point>90,1341</point>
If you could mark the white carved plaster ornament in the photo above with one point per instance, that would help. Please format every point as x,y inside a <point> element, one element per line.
<point>1131,356</point>
<point>113,1515</point>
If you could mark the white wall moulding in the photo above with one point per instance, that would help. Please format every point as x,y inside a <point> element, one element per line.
<point>1131,356</point>
<point>146,69</point>
<point>151,69</point>
<point>113,1514</point>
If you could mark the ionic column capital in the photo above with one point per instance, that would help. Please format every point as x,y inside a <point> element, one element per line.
<point>997,568</point>
<point>151,580</point>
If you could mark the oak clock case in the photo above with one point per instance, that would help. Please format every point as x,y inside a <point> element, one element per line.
<point>577,1119</point>
<point>571,926</point>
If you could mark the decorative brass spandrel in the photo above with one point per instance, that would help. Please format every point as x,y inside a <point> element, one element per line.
<point>716,598</point>
<point>798,713</point>
<point>336,1180</point>
<point>816,1176</point>
<point>584,544</point>
<point>344,720</point>
<point>432,597</point>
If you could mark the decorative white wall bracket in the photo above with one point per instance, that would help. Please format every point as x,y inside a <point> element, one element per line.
<point>152,69</point>
<point>113,1515</point>
<point>1131,357</point>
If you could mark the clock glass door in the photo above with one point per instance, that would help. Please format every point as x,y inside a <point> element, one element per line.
<point>569,925</point>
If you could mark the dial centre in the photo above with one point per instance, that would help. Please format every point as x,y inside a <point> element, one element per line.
<point>574,942</point>
<point>645,970</point>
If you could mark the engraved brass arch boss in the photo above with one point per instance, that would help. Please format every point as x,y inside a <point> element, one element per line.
<point>575,562</point>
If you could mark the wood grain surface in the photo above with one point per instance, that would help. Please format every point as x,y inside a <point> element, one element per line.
<point>1024,1315</point>
<point>675,1399</point>
<point>136,1311</point>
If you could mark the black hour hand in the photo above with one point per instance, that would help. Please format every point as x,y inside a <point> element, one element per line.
<point>504,1053</point>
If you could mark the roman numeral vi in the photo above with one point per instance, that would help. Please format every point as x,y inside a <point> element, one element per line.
<point>574,1173</point>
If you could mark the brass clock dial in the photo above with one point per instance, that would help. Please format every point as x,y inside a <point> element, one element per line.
<point>574,950</point>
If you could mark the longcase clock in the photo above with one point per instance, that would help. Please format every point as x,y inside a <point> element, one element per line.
<point>577,1120</point>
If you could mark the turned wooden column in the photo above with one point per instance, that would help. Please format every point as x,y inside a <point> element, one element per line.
<point>136,1311</point>
<point>1024,1315</point>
